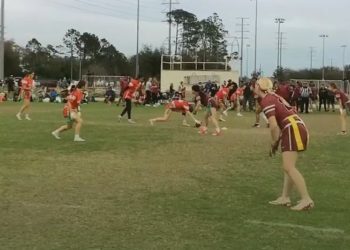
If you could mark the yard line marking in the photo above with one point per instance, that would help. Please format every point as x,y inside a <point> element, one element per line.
<point>52,206</point>
<point>306,228</point>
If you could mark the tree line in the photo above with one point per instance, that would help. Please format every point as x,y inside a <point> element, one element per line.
<point>195,39</point>
<point>204,39</point>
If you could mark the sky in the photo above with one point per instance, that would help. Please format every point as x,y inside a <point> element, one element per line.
<point>115,20</point>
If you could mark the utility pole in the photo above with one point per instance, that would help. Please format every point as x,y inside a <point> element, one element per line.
<point>323,36</point>
<point>247,66</point>
<point>344,51</point>
<point>137,70</point>
<point>279,43</point>
<point>2,41</point>
<point>312,50</point>
<point>256,34</point>
<point>242,31</point>
<point>170,21</point>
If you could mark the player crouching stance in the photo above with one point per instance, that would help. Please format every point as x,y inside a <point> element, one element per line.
<point>285,126</point>
<point>71,112</point>
<point>202,99</point>
<point>177,106</point>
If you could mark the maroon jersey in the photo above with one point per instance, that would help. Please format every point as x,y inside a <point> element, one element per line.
<point>203,98</point>
<point>283,91</point>
<point>294,135</point>
<point>342,97</point>
<point>274,105</point>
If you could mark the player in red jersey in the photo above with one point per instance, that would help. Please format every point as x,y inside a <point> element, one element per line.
<point>26,93</point>
<point>202,99</point>
<point>177,106</point>
<point>235,101</point>
<point>129,94</point>
<point>344,104</point>
<point>71,112</point>
<point>123,84</point>
<point>221,97</point>
<point>287,129</point>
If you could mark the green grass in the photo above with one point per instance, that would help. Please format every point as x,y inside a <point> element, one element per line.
<point>163,187</point>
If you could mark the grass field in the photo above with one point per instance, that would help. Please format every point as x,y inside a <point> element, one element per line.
<point>163,187</point>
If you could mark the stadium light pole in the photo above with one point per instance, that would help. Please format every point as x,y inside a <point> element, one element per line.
<point>323,36</point>
<point>137,70</point>
<point>344,49</point>
<point>2,41</point>
<point>279,44</point>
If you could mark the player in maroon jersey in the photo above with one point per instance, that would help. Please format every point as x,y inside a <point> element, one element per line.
<point>211,105</point>
<point>344,104</point>
<point>177,106</point>
<point>287,129</point>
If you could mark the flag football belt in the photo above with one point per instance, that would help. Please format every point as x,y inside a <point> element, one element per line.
<point>293,121</point>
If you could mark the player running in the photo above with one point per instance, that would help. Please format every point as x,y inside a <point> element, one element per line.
<point>26,94</point>
<point>71,112</point>
<point>129,94</point>
<point>288,129</point>
<point>344,104</point>
<point>177,106</point>
<point>202,99</point>
<point>221,97</point>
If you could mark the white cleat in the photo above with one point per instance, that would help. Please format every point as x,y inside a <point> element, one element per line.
<point>120,118</point>
<point>79,139</point>
<point>239,114</point>
<point>56,135</point>
<point>28,118</point>
<point>131,121</point>
<point>19,117</point>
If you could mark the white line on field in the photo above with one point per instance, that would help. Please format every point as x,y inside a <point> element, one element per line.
<point>306,228</point>
<point>52,206</point>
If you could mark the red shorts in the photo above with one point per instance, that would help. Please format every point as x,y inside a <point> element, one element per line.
<point>27,95</point>
<point>294,138</point>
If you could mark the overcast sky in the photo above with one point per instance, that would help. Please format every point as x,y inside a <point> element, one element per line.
<point>115,20</point>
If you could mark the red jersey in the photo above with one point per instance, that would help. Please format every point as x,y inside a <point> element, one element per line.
<point>132,88</point>
<point>237,94</point>
<point>342,97</point>
<point>179,105</point>
<point>274,105</point>
<point>27,84</point>
<point>74,99</point>
<point>222,93</point>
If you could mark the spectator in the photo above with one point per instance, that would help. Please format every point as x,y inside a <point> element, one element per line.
<point>109,96</point>
<point>53,95</point>
<point>247,97</point>
<point>148,91</point>
<point>154,91</point>
<point>305,93</point>
<point>322,97</point>
<point>330,99</point>
<point>182,90</point>
<point>10,87</point>
<point>313,96</point>
<point>171,91</point>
